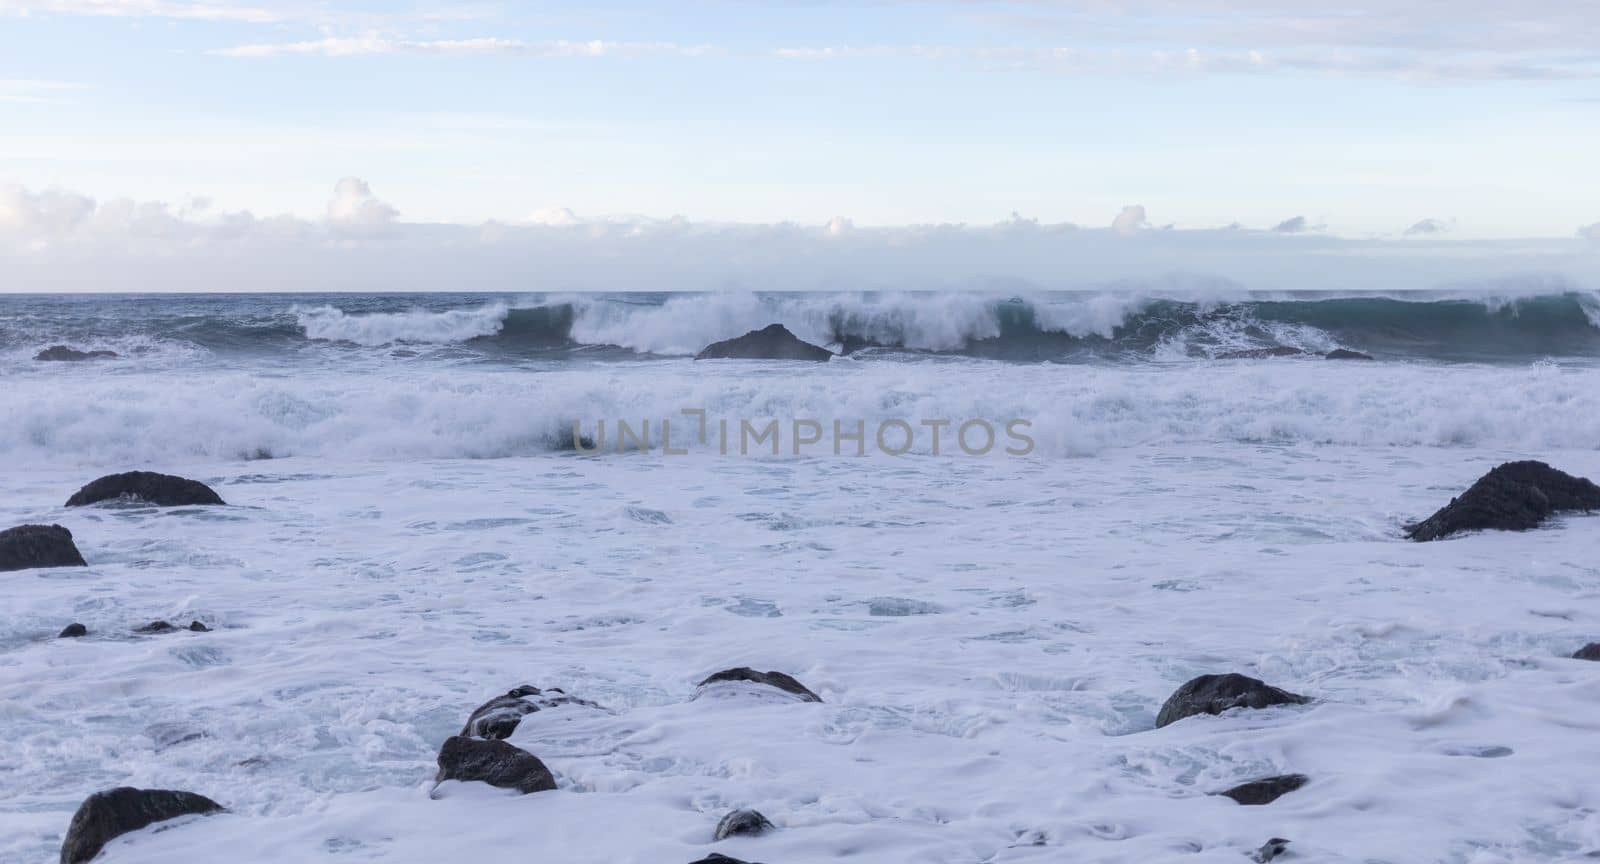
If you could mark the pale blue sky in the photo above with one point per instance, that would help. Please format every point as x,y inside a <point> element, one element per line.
<point>1363,117</point>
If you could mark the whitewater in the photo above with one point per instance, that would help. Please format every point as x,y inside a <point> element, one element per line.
<point>410,533</point>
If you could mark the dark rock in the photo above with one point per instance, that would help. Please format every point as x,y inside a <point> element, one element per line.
<point>779,680</point>
<point>1214,694</point>
<point>155,627</point>
<point>63,353</point>
<point>1515,496</point>
<point>774,342</point>
<point>1590,651</point>
<point>197,627</point>
<point>743,823</point>
<point>105,816</point>
<point>1266,790</point>
<point>1261,353</point>
<point>27,546</point>
<point>498,718</point>
<point>1270,850</point>
<point>719,858</point>
<point>494,762</point>
<point>1346,354</point>
<point>73,631</point>
<point>162,490</point>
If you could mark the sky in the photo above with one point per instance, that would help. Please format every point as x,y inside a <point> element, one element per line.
<point>1362,121</point>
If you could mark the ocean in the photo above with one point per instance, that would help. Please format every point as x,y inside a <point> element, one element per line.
<point>412,531</point>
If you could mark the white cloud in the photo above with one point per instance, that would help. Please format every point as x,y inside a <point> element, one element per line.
<point>353,206</point>
<point>555,217</point>
<point>1131,220</point>
<point>61,240</point>
<point>1427,226</point>
<point>196,11</point>
<point>1292,225</point>
<point>374,44</point>
<point>17,90</point>
<point>1590,232</point>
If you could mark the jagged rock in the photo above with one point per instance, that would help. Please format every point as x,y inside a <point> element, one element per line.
<point>1590,651</point>
<point>773,342</point>
<point>494,762</point>
<point>1515,496</point>
<point>1214,694</point>
<point>64,353</point>
<point>164,627</point>
<point>1346,354</point>
<point>105,816</point>
<point>498,718</point>
<point>1270,850</point>
<point>1262,353</point>
<point>719,858</point>
<point>162,490</point>
<point>743,823</point>
<point>29,546</point>
<point>73,631</point>
<point>779,680</point>
<point>1266,790</point>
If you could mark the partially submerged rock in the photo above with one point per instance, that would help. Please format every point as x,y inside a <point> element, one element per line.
<point>1214,694</point>
<point>1590,651</point>
<point>1265,790</point>
<point>105,816</point>
<point>1515,496</point>
<point>773,342</point>
<point>1262,353</point>
<point>743,823</point>
<point>1346,354</point>
<point>1270,850</point>
<point>63,353</point>
<point>494,762</point>
<point>73,631</point>
<point>162,490</point>
<point>779,680</point>
<point>163,627</point>
<point>719,858</point>
<point>29,546</point>
<point>498,718</point>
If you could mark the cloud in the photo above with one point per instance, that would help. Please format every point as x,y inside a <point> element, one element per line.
<point>56,239</point>
<point>24,90</point>
<point>353,206</point>
<point>1427,226</point>
<point>373,44</point>
<point>194,11</point>
<point>1131,220</point>
<point>555,217</point>
<point>1292,225</point>
<point>1590,232</point>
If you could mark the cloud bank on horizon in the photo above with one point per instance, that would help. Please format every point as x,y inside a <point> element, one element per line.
<point>52,240</point>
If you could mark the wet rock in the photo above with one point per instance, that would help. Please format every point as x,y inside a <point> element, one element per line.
<point>743,823</point>
<point>1266,790</point>
<point>719,858</point>
<point>105,816</point>
<point>1590,651</point>
<point>1270,850</point>
<point>162,490</point>
<point>1515,496</point>
<point>1346,354</point>
<point>63,353</point>
<point>1262,353</point>
<point>155,627</point>
<point>73,631</point>
<point>779,680</point>
<point>29,546</point>
<point>773,342</point>
<point>1214,694</point>
<point>494,762</point>
<point>498,718</point>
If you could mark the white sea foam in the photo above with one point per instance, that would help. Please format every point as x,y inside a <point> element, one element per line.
<point>384,328</point>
